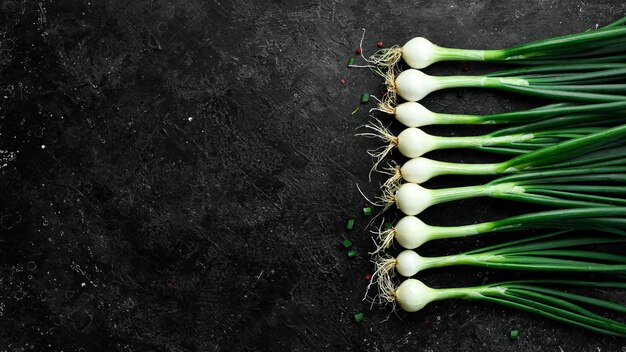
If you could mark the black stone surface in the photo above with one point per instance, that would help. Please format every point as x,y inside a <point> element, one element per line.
<point>176,175</point>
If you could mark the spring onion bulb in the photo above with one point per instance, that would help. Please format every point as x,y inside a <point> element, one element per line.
<point>584,47</point>
<point>410,232</point>
<point>604,148</point>
<point>413,142</point>
<point>527,295</point>
<point>414,85</point>
<point>540,253</point>
<point>414,114</point>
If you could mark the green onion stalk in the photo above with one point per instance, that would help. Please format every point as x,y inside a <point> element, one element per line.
<point>583,187</point>
<point>413,142</point>
<point>598,84</point>
<point>410,232</point>
<point>602,45</point>
<point>413,114</point>
<point>539,253</point>
<point>532,296</point>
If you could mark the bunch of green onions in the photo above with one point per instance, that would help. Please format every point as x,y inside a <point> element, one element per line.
<point>539,253</point>
<point>569,155</point>
<point>536,254</point>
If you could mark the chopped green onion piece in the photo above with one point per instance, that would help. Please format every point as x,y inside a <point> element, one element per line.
<point>365,98</point>
<point>352,253</point>
<point>351,62</point>
<point>367,211</point>
<point>388,225</point>
<point>350,224</point>
<point>347,243</point>
<point>513,334</point>
<point>358,317</point>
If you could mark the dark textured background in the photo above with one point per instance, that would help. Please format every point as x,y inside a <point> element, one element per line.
<point>176,175</point>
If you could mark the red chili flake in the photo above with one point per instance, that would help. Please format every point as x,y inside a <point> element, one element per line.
<point>368,276</point>
<point>344,81</point>
<point>358,51</point>
<point>379,44</point>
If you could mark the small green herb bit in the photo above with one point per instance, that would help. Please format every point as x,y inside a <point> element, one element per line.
<point>358,317</point>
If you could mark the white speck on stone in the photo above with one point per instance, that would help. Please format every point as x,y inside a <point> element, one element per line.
<point>43,146</point>
<point>83,284</point>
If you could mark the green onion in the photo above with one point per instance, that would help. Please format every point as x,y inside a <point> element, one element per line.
<point>527,295</point>
<point>410,232</point>
<point>413,114</point>
<point>413,142</point>
<point>585,47</point>
<point>564,189</point>
<point>414,85</point>
<point>540,253</point>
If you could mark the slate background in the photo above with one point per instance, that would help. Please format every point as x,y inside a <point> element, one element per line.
<point>176,175</point>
